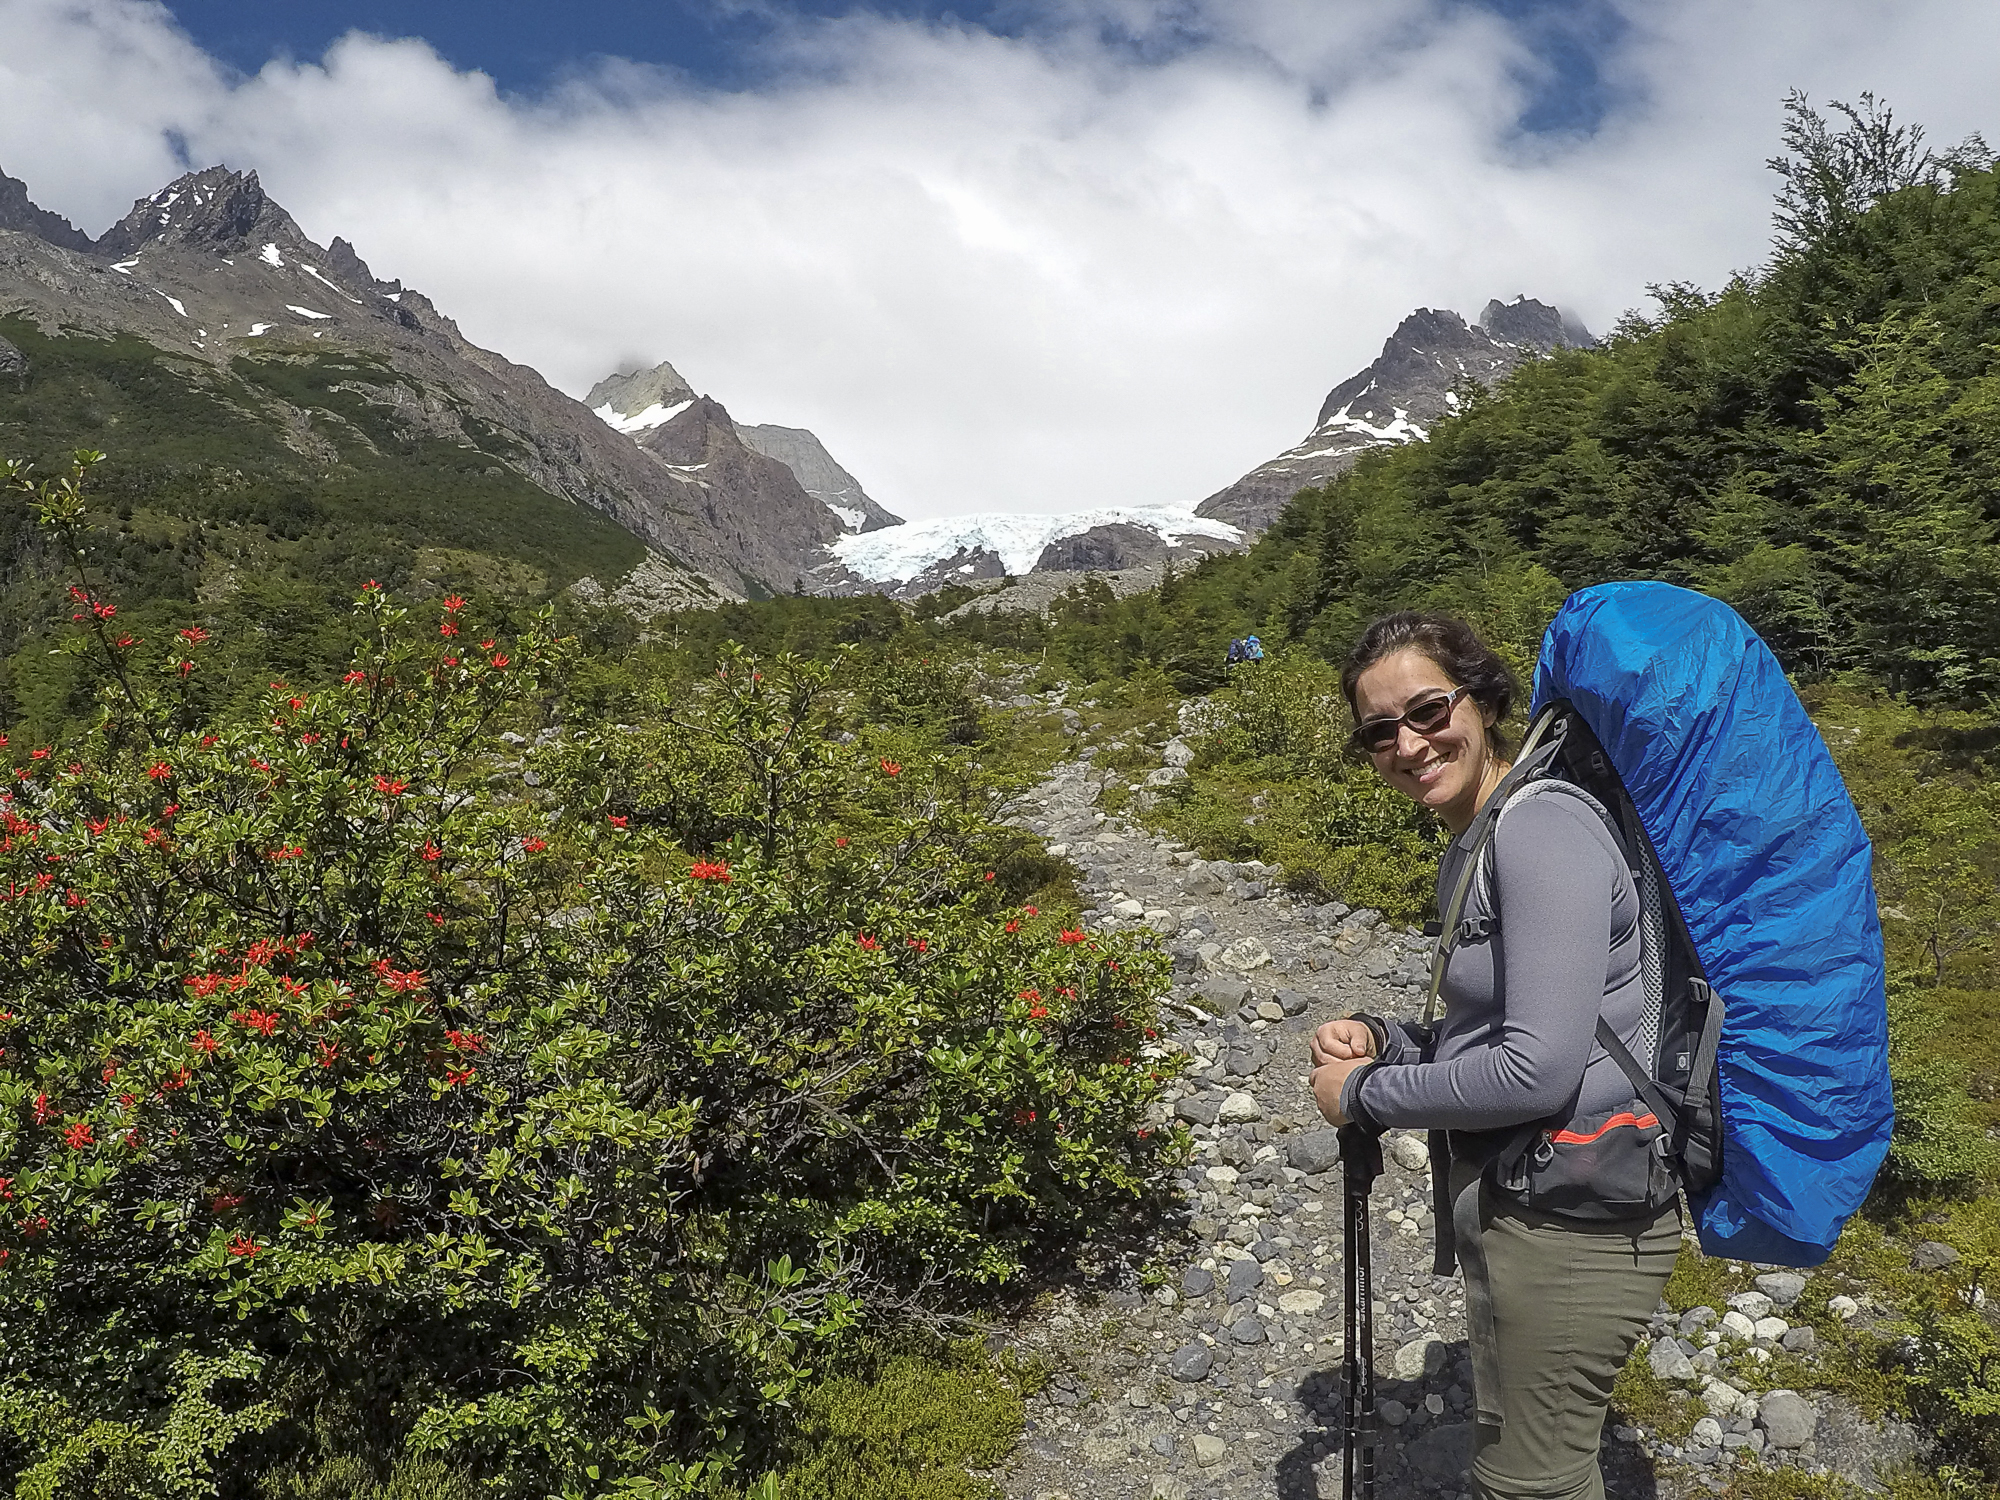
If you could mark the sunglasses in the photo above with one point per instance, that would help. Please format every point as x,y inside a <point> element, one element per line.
<point>1427,717</point>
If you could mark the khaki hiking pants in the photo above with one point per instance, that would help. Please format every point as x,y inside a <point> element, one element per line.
<point>1569,1302</point>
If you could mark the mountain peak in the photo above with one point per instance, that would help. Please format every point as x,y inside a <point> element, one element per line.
<point>19,212</point>
<point>1533,324</point>
<point>215,209</point>
<point>635,400</point>
<point>1412,385</point>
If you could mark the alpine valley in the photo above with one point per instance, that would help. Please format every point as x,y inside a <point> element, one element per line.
<point>278,417</point>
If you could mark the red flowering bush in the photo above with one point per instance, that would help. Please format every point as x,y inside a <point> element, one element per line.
<point>352,1082</point>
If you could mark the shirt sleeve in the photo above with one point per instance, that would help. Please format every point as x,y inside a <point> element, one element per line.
<point>1554,874</point>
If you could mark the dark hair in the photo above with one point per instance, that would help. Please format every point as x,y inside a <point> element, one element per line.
<point>1458,653</point>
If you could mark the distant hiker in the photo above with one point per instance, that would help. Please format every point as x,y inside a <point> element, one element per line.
<point>1235,654</point>
<point>1515,1047</point>
<point>1253,649</point>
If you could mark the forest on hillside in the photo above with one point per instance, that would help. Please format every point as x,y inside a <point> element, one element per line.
<point>445,1048</point>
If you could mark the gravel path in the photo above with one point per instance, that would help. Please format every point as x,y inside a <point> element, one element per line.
<point>1224,1382</point>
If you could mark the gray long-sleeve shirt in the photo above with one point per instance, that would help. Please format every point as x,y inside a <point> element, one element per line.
<point>1516,1041</point>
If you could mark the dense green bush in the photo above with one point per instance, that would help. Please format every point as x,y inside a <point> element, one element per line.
<point>379,1091</point>
<point>1275,780</point>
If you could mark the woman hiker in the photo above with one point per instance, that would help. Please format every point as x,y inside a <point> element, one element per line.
<point>1514,1054</point>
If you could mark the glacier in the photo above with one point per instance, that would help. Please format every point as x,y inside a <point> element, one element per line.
<point>896,554</point>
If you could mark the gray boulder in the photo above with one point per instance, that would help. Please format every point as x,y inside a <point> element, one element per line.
<point>1782,1287</point>
<point>1247,1330</point>
<point>1315,1151</point>
<point>1934,1255</point>
<point>1245,1276</point>
<point>1223,993</point>
<point>1788,1419</point>
<point>1198,1109</point>
<point>1669,1362</point>
<point>1190,1362</point>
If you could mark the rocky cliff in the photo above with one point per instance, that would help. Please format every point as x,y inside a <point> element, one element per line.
<point>1415,383</point>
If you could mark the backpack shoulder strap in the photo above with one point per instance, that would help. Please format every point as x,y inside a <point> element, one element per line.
<point>1538,753</point>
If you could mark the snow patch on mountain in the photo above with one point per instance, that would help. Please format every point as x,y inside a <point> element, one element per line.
<point>655,415</point>
<point>896,554</point>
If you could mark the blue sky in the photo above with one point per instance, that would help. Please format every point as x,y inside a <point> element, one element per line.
<point>525,44</point>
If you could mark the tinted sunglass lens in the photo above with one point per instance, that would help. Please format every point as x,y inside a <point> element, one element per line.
<point>1428,716</point>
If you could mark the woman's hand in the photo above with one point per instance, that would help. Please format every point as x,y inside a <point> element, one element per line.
<point>1341,1041</point>
<point>1329,1078</point>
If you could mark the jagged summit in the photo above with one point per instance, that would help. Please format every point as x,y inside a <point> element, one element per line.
<point>1412,385</point>
<point>662,413</point>
<point>19,213</point>
<point>639,399</point>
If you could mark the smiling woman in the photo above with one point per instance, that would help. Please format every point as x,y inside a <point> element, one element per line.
<point>1550,944</point>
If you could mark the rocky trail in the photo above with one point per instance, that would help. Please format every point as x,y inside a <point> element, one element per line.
<point>1222,1380</point>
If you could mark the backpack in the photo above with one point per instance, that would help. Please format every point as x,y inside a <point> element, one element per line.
<point>1761,1084</point>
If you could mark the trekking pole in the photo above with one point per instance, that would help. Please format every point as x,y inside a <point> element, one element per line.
<point>1361,1164</point>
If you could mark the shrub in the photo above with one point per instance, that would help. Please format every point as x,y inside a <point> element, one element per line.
<point>362,1100</point>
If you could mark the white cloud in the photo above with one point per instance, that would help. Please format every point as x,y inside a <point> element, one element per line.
<point>1037,273</point>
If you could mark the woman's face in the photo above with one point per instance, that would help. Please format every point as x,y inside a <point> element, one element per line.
<point>1446,770</point>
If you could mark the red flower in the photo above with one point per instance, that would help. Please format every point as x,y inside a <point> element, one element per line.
<point>403,981</point>
<point>328,1054</point>
<point>432,852</point>
<point>500,660</point>
<point>203,1042</point>
<point>44,755</point>
<point>534,846</point>
<point>159,770</point>
<point>78,1136</point>
<point>866,942</point>
<point>110,1071</point>
<point>1013,927</point>
<point>1038,1012</point>
<point>355,676</point>
<point>1024,1117</point>
<point>178,1079</point>
<point>465,1041</point>
<point>920,944</point>
<point>436,920</point>
<point>890,768</point>
<point>207,740</point>
<point>447,628</point>
<point>619,820</point>
<point>42,1110</point>
<point>194,633</point>
<point>840,843</point>
<point>453,603</point>
<point>1031,911</point>
<point>243,1244</point>
<point>989,874</point>
<point>453,1077</point>
<point>1070,935</point>
<point>263,1022</point>
<point>389,788</point>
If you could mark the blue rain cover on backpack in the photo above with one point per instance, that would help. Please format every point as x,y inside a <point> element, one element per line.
<point>1768,861</point>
